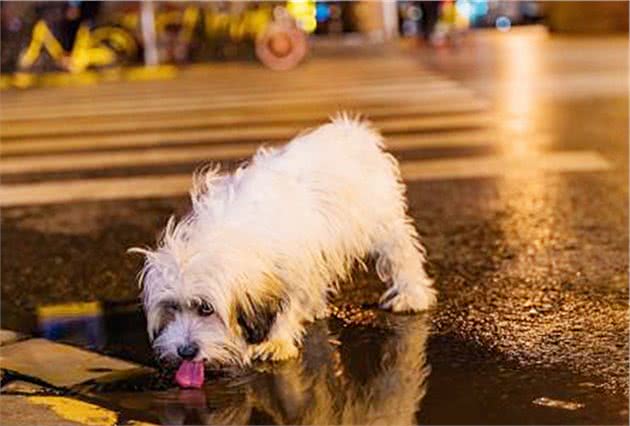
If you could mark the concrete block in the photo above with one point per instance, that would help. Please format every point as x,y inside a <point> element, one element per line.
<point>58,364</point>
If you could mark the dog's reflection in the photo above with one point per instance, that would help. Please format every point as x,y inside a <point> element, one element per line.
<point>374,374</point>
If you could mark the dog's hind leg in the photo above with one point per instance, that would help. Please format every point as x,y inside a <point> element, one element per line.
<point>400,264</point>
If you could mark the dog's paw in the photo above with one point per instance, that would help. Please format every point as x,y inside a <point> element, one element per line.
<point>274,350</point>
<point>322,313</point>
<point>418,299</point>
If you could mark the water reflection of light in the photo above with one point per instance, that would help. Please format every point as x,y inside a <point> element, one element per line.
<point>520,67</point>
<point>530,225</point>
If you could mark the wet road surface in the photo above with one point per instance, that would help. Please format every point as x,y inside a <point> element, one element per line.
<point>361,366</point>
<point>532,322</point>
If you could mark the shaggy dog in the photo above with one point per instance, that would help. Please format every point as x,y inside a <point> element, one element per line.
<point>264,247</point>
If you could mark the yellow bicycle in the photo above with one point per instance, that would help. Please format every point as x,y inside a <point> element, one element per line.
<point>100,47</point>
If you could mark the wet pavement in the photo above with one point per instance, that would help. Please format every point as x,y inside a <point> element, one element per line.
<point>532,321</point>
<point>361,366</point>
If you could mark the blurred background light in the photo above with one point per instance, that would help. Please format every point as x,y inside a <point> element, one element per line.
<point>464,8</point>
<point>414,13</point>
<point>479,8</point>
<point>304,13</point>
<point>503,23</point>
<point>322,12</point>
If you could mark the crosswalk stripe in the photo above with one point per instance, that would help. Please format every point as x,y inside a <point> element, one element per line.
<point>211,88</point>
<point>266,92</point>
<point>259,133</point>
<point>178,92</point>
<point>173,185</point>
<point>500,165</point>
<point>144,157</point>
<point>210,117</point>
<point>224,112</point>
<point>418,93</point>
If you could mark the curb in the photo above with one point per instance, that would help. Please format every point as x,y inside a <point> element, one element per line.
<point>53,366</point>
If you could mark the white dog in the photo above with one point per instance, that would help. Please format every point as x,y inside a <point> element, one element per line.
<point>263,249</point>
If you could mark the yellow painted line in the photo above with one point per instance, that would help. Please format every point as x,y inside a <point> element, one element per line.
<point>179,155</point>
<point>81,412</point>
<point>255,133</point>
<point>166,186</point>
<point>77,411</point>
<point>69,310</point>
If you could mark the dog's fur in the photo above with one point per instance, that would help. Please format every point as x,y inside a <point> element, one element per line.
<point>266,245</point>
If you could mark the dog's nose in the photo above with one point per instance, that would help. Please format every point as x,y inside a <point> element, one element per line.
<point>188,351</point>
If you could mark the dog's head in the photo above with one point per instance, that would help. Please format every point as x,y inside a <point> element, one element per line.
<point>205,302</point>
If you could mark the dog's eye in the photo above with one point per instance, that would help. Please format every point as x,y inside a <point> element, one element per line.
<point>205,309</point>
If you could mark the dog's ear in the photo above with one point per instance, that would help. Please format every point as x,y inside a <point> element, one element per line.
<point>256,314</point>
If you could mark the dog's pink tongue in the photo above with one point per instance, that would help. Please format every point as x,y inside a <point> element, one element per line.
<point>190,374</point>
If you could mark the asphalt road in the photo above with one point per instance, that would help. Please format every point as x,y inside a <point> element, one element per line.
<point>515,153</point>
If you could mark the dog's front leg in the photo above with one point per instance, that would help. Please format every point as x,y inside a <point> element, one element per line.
<point>274,350</point>
<point>284,339</point>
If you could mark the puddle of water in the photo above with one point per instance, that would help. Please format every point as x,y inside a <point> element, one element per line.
<point>386,370</point>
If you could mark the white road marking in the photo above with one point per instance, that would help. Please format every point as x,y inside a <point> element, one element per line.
<point>425,92</point>
<point>509,166</point>
<point>257,133</point>
<point>176,91</point>
<point>209,117</point>
<point>94,189</point>
<point>178,155</point>
<point>171,185</point>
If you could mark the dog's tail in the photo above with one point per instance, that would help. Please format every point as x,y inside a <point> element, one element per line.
<point>357,123</point>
